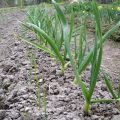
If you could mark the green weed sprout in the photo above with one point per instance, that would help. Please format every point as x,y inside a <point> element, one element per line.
<point>38,92</point>
<point>115,94</point>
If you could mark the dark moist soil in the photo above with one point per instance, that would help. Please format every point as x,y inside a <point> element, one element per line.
<point>64,101</point>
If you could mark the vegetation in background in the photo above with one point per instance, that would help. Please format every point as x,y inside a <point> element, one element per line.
<point>110,14</point>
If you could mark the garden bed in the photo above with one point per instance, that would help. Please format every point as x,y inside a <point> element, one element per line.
<point>60,98</point>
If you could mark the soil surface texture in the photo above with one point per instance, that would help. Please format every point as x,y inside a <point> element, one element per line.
<point>21,83</point>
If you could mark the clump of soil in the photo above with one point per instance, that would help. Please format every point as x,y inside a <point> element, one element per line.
<point>64,101</point>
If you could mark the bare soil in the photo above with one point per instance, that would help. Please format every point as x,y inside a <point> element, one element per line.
<point>64,101</point>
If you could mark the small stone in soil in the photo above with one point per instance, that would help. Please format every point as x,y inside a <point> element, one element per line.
<point>27,109</point>
<point>25,63</point>
<point>40,80</point>
<point>94,117</point>
<point>58,72</point>
<point>17,43</point>
<point>13,57</point>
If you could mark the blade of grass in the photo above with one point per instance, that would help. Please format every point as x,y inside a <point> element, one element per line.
<point>47,50</point>
<point>119,90</point>
<point>45,104</point>
<point>97,53</point>
<point>104,100</point>
<point>95,73</point>
<point>37,81</point>
<point>109,85</point>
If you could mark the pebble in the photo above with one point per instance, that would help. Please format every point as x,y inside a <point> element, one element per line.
<point>35,72</point>
<point>17,43</point>
<point>64,99</point>
<point>30,47</point>
<point>116,117</point>
<point>52,77</point>
<point>13,57</point>
<point>53,64</point>
<point>19,106</point>
<point>58,72</point>
<point>94,117</point>
<point>40,80</point>
<point>24,63</point>
<point>27,109</point>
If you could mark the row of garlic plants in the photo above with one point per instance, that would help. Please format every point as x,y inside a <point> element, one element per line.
<point>55,34</point>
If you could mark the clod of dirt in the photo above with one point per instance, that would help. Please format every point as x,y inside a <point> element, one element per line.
<point>9,68</point>
<point>6,83</point>
<point>2,114</point>
<point>116,117</point>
